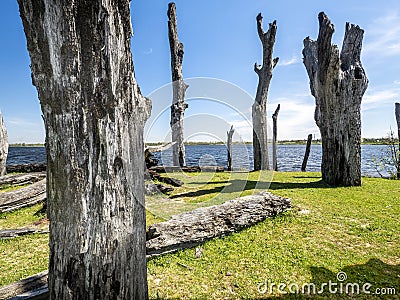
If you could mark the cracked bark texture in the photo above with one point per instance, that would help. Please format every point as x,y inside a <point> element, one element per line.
<point>178,89</point>
<point>275,138</point>
<point>3,147</point>
<point>94,115</point>
<point>259,109</point>
<point>338,83</point>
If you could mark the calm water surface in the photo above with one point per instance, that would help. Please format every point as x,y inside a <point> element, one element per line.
<point>290,157</point>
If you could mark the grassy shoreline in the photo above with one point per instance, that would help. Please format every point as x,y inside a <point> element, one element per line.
<point>353,229</point>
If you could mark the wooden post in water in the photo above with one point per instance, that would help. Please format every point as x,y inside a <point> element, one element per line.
<point>275,138</point>
<point>229,144</point>
<point>397,113</point>
<point>307,154</point>
<point>3,147</point>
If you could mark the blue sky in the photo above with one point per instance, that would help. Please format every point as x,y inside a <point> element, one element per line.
<point>221,42</point>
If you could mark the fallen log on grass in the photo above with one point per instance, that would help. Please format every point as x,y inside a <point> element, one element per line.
<point>189,229</point>
<point>20,179</point>
<point>182,231</point>
<point>26,196</point>
<point>27,288</point>
<point>12,233</point>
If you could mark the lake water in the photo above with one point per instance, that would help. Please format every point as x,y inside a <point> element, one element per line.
<point>290,157</point>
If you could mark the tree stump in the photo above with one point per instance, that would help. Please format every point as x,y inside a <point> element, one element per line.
<point>259,109</point>
<point>178,88</point>
<point>338,83</point>
<point>307,153</point>
<point>275,138</point>
<point>94,116</point>
<point>3,147</point>
<point>229,145</point>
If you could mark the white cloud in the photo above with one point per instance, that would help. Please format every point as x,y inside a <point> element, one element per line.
<point>148,52</point>
<point>291,61</point>
<point>397,82</point>
<point>383,35</point>
<point>376,98</point>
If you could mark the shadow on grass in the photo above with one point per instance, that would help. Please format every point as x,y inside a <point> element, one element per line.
<point>238,185</point>
<point>233,186</point>
<point>372,280</point>
<point>298,185</point>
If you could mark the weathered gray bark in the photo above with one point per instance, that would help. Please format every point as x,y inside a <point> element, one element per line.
<point>23,197</point>
<point>3,147</point>
<point>338,83</point>
<point>307,153</point>
<point>179,89</point>
<point>259,109</point>
<point>275,138</point>
<point>229,145</point>
<point>192,228</point>
<point>94,115</point>
<point>397,113</point>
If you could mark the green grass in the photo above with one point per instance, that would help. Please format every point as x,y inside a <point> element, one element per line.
<point>355,230</point>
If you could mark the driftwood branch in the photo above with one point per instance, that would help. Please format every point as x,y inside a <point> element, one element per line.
<point>192,228</point>
<point>26,168</point>
<point>275,138</point>
<point>12,233</point>
<point>397,113</point>
<point>259,110</point>
<point>26,196</point>
<point>20,179</point>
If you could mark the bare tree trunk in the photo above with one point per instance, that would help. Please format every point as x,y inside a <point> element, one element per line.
<point>338,84</point>
<point>3,147</point>
<point>275,138</point>
<point>397,113</point>
<point>229,144</point>
<point>94,115</point>
<point>179,89</point>
<point>307,154</point>
<point>259,110</point>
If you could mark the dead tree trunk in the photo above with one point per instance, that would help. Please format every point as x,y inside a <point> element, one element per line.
<point>229,145</point>
<point>3,147</point>
<point>338,84</point>
<point>178,88</point>
<point>94,115</point>
<point>275,138</point>
<point>259,110</point>
<point>307,154</point>
<point>397,113</point>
